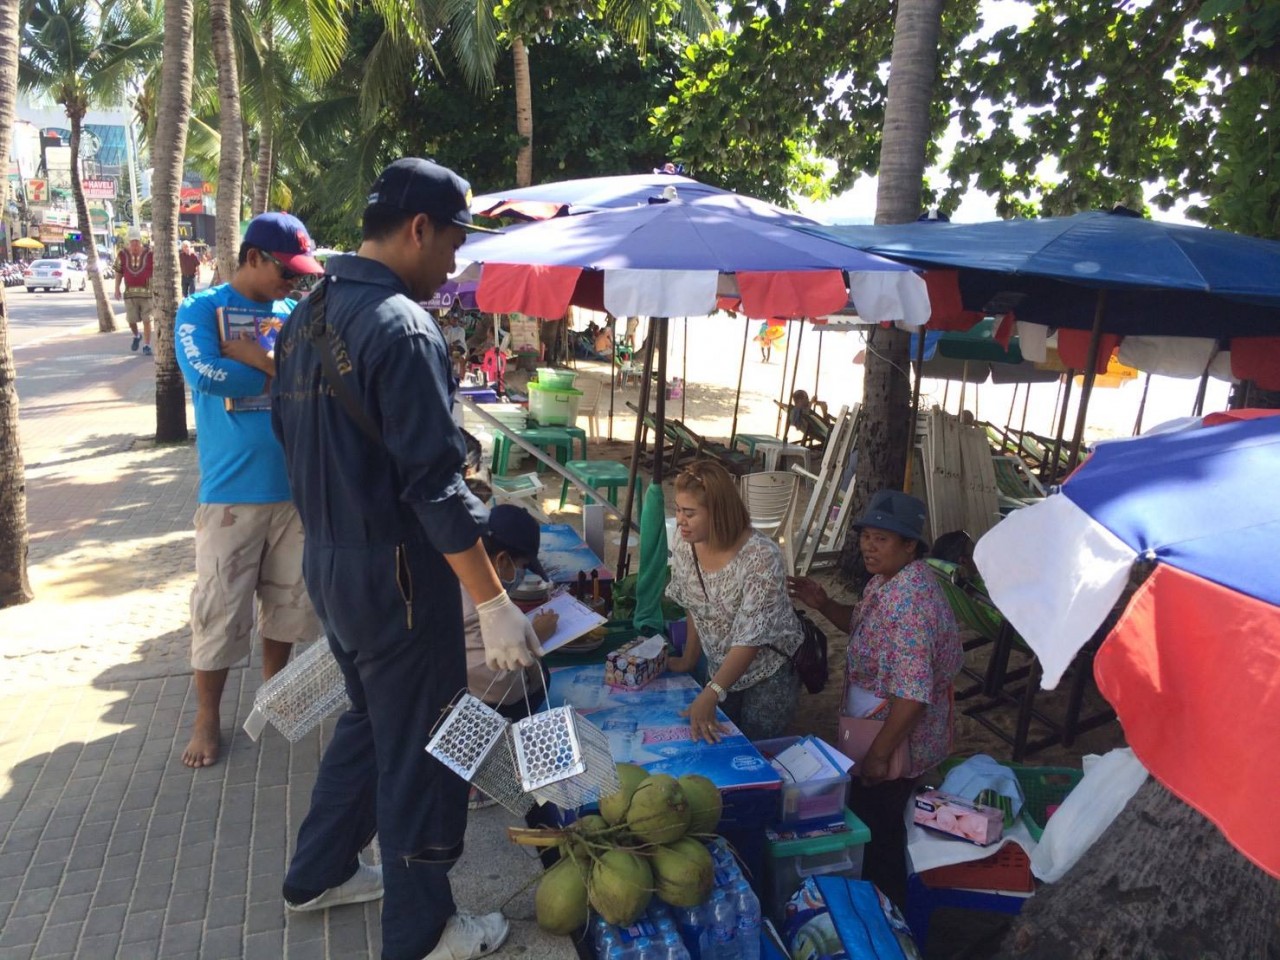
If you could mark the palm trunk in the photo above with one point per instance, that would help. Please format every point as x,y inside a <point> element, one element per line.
<point>524,113</point>
<point>886,397</point>
<point>262,183</point>
<point>231,157</point>
<point>168,155</point>
<point>106,316</point>
<point>15,588</point>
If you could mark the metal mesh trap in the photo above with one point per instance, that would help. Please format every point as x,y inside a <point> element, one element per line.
<point>563,758</point>
<point>301,695</point>
<point>474,741</point>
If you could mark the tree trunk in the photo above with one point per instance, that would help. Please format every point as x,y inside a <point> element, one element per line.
<point>886,397</point>
<point>1162,882</point>
<point>266,133</point>
<point>231,157</point>
<point>15,588</point>
<point>106,316</point>
<point>524,113</point>
<point>168,156</point>
<point>246,171</point>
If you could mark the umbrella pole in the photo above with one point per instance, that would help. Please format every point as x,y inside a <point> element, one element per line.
<point>1051,465</point>
<point>742,365</point>
<point>1026,402</point>
<point>1013,405</point>
<point>915,411</point>
<point>795,371</point>
<point>1090,374</point>
<point>1142,406</point>
<point>636,450</point>
<point>1198,409</point>
<point>964,383</point>
<point>782,388</point>
<point>684,367</point>
<point>660,334</point>
<point>613,368</point>
<point>817,370</point>
<point>946,394</point>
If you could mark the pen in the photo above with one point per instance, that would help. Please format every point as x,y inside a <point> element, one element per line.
<point>595,586</point>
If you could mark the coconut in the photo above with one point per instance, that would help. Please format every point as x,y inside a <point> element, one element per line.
<point>683,873</point>
<point>591,825</point>
<point>659,812</point>
<point>621,887</point>
<point>561,899</point>
<point>705,803</point>
<point>614,807</point>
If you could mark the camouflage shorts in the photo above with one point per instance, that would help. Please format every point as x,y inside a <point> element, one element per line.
<point>245,550</point>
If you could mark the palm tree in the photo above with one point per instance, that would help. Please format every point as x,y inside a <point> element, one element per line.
<point>15,588</point>
<point>168,154</point>
<point>231,148</point>
<point>886,392</point>
<point>84,57</point>
<point>474,40</point>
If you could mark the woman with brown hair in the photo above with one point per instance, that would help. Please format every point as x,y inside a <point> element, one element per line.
<point>732,582</point>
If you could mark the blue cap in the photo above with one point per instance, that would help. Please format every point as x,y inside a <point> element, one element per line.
<point>421,186</point>
<point>284,237</point>
<point>896,512</point>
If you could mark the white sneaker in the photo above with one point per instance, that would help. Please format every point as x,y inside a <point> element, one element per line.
<point>365,884</point>
<point>466,936</point>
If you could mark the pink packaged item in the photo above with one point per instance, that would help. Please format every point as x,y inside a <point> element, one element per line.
<point>959,818</point>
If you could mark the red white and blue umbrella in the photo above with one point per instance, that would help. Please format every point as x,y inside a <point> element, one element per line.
<point>1192,668</point>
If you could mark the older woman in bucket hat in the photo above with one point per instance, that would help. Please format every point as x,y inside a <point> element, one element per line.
<point>904,653</point>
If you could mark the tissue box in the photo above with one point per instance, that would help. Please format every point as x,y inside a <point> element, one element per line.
<point>957,817</point>
<point>634,664</point>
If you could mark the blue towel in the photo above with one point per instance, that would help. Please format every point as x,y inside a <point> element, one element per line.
<point>981,772</point>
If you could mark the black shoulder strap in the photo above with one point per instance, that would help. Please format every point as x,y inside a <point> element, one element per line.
<point>318,334</point>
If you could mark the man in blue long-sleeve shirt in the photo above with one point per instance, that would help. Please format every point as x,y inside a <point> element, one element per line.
<point>391,532</point>
<point>248,535</point>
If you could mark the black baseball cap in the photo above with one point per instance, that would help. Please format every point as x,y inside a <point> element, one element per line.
<point>515,530</point>
<point>422,186</point>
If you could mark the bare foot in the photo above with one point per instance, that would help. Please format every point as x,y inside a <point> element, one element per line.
<point>206,738</point>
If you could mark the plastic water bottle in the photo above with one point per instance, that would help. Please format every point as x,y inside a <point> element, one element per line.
<point>648,949</point>
<point>748,908</point>
<point>673,948</point>
<point>724,928</point>
<point>693,928</point>
<point>617,951</point>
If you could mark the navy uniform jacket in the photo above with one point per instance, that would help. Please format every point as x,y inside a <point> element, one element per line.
<point>378,517</point>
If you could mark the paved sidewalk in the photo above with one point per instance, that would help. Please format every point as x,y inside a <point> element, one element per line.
<point>109,846</point>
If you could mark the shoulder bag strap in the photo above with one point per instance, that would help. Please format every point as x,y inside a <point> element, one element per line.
<point>318,334</point>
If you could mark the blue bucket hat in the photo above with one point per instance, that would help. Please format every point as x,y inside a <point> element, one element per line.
<point>896,512</point>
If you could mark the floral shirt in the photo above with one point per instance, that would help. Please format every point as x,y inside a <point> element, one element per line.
<point>905,643</point>
<point>745,605</point>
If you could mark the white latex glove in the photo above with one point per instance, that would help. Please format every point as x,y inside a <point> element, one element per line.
<point>509,638</point>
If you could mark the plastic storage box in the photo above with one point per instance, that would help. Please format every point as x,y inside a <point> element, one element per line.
<point>553,379</point>
<point>554,407</point>
<point>813,800</point>
<point>790,861</point>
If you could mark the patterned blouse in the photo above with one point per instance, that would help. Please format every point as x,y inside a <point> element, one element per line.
<point>905,643</point>
<point>745,605</point>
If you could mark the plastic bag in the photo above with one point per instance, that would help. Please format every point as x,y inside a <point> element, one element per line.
<point>1109,783</point>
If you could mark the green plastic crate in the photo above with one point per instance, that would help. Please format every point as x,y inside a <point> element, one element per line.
<point>1042,787</point>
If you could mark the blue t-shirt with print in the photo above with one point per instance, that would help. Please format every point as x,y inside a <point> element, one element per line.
<point>241,461</point>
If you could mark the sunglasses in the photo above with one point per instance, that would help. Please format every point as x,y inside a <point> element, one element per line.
<point>285,272</point>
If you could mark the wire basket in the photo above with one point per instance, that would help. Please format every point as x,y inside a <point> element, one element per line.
<point>301,695</point>
<point>564,759</point>
<point>474,741</point>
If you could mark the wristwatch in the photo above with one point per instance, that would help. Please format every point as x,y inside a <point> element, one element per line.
<point>718,690</point>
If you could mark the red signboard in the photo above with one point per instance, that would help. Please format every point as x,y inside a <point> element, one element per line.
<point>99,188</point>
<point>192,200</point>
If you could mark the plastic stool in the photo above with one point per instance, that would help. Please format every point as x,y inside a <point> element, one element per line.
<point>553,438</point>
<point>749,440</point>
<point>608,475</point>
<point>575,433</point>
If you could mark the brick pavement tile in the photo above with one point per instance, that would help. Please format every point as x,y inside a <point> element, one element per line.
<point>348,936</point>
<point>195,853</point>
<point>20,933</point>
<point>166,824</point>
<point>154,896</point>
<point>71,806</point>
<point>126,842</point>
<point>61,828</point>
<point>44,875</point>
<point>130,820</point>
<point>306,950</point>
<point>268,945</point>
<point>104,920</point>
<point>230,862</point>
<point>10,807</point>
<point>180,938</point>
<point>191,880</point>
<point>104,945</point>
<point>79,881</point>
<point>72,908</point>
<point>21,841</point>
<point>79,787</point>
<point>83,857</point>
<point>161,850</point>
<point>226,912</point>
<point>224,943</point>
<point>32,903</point>
<point>266,916</point>
<point>6,911</point>
<point>57,938</point>
<point>143,950</point>
<point>13,865</point>
<point>114,893</point>
<point>32,818</point>
<point>142,926</point>
<point>54,851</point>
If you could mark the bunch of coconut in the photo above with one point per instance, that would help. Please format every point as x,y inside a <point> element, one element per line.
<point>648,840</point>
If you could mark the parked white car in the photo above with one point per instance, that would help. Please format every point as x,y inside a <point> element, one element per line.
<point>55,275</point>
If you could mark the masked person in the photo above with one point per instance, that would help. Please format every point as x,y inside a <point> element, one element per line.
<point>362,402</point>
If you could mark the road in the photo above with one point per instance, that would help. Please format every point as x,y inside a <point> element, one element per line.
<point>37,316</point>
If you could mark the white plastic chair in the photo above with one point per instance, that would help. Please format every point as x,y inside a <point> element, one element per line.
<point>770,499</point>
<point>589,403</point>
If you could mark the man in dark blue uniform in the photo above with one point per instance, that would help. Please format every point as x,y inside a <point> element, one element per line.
<point>375,466</point>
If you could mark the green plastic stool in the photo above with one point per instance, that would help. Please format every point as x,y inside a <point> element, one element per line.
<point>608,475</point>
<point>574,433</point>
<point>552,438</point>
